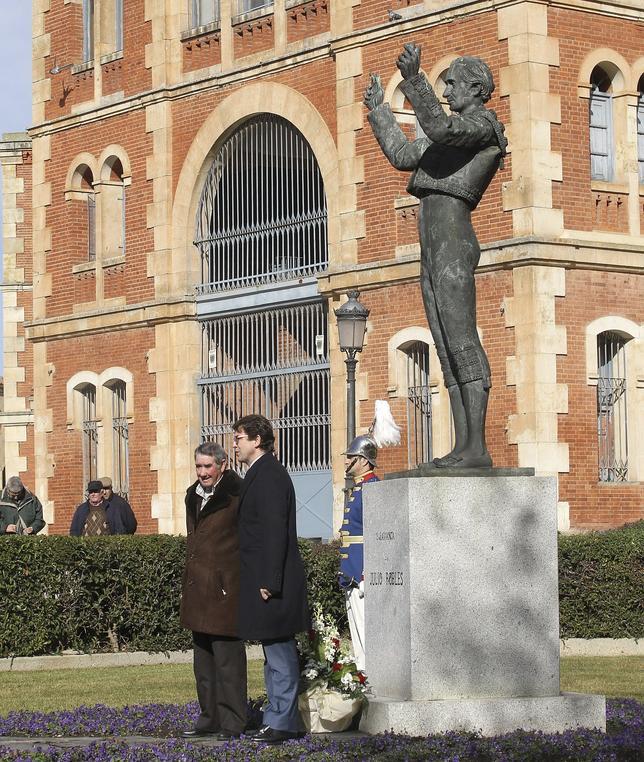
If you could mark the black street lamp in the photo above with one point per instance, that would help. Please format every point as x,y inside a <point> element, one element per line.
<point>352,326</point>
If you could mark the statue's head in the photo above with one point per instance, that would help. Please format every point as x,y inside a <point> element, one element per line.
<point>469,81</point>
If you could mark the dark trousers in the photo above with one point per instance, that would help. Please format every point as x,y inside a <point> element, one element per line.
<point>282,678</point>
<point>220,672</point>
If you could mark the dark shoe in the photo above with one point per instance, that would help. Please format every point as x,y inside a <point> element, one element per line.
<point>271,736</point>
<point>227,735</point>
<point>199,733</point>
<point>255,731</point>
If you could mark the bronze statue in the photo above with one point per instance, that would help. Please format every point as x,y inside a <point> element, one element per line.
<point>452,166</point>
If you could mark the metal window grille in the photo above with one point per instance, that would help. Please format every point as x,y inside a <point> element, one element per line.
<point>91,227</point>
<point>419,405</point>
<point>204,12</point>
<point>612,429</point>
<point>90,434</point>
<point>88,30</point>
<point>120,440</point>
<point>262,215</point>
<point>274,363</point>
<point>118,22</point>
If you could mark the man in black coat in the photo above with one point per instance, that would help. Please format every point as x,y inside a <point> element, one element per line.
<point>272,591</point>
<point>120,504</point>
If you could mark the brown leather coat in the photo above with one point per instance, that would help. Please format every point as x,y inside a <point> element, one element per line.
<point>210,598</point>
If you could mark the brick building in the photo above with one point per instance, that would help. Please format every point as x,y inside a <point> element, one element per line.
<point>200,189</point>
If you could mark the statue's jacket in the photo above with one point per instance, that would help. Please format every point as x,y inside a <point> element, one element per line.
<point>460,154</point>
<point>352,550</point>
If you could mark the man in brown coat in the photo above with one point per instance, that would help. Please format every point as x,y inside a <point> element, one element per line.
<point>210,600</point>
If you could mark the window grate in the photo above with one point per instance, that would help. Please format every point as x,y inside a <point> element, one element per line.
<point>612,430</point>
<point>262,216</point>
<point>419,405</point>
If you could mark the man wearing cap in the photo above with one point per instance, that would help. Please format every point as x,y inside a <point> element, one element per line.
<point>20,510</point>
<point>120,504</point>
<point>96,517</point>
<point>359,464</point>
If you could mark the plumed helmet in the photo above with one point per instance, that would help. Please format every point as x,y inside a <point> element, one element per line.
<point>365,446</point>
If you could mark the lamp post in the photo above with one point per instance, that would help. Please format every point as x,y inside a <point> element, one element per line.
<point>352,325</point>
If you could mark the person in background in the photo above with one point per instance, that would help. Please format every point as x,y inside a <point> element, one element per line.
<point>22,509</point>
<point>120,503</point>
<point>96,517</point>
<point>359,464</point>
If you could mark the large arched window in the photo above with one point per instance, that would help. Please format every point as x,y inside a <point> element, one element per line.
<point>262,215</point>
<point>602,138</point>
<point>120,438</point>
<point>612,423</point>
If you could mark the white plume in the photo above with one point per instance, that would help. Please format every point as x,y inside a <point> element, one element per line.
<point>385,432</point>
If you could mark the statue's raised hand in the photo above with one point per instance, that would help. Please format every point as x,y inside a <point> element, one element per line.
<point>409,61</point>
<point>374,95</point>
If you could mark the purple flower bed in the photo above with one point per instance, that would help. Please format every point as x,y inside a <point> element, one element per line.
<point>623,741</point>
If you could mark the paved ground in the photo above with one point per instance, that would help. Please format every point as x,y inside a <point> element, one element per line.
<point>570,647</point>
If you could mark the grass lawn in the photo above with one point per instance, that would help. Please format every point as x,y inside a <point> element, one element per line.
<point>116,686</point>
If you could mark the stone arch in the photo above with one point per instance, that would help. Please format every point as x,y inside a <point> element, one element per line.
<point>107,159</point>
<point>621,325</point>
<point>615,65</point>
<point>77,171</point>
<point>256,98</point>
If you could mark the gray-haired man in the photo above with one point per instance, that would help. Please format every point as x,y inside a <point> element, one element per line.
<point>20,510</point>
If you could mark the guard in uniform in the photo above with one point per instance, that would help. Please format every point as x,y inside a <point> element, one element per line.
<point>360,464</point>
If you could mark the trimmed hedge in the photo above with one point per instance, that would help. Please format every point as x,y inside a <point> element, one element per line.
<point>103,593</point>
<point>601,579</point>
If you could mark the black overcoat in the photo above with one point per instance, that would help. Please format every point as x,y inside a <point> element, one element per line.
<point>210,590</point>
<point>269,556</point>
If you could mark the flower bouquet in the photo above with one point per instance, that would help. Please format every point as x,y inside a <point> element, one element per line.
<point>332,688</point>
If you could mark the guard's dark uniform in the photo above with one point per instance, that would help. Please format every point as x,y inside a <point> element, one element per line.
<point>352,552</point>
<point>352,565</point>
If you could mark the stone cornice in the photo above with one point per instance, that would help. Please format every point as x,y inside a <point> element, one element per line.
<point>124,318</point>
<point>423,19</point>
<point>500,255</point>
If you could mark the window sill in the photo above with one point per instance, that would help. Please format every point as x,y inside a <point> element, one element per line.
<point>114,261</point>
<point>115,56</point>
<point>258,13</point>
<point>608,187</point>
<point>81,67</point>
<point>197,31</point>
<point>84,267</point>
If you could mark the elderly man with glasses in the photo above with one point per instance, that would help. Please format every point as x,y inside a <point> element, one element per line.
<point>20,510</point>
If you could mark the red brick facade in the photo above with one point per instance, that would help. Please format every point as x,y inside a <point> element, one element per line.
<point>111,314</point>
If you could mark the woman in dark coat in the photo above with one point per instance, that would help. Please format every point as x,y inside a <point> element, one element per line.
<point>210,599</point>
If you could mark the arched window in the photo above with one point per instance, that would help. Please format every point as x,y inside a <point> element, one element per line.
<point>83,187</point>
<point>612,424</point>
<point>419,404</point>
<point>262,215</point>
<point>120,438</point>
<point>602,139</point>
<point>640,128</point>
<point>89,428</point>
<point>112,197</point>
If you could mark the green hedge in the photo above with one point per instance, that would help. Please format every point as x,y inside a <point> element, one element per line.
<point>601,579</point>
<point>98,594</point>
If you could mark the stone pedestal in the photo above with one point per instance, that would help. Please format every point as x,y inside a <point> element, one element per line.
<point>461,604</point>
